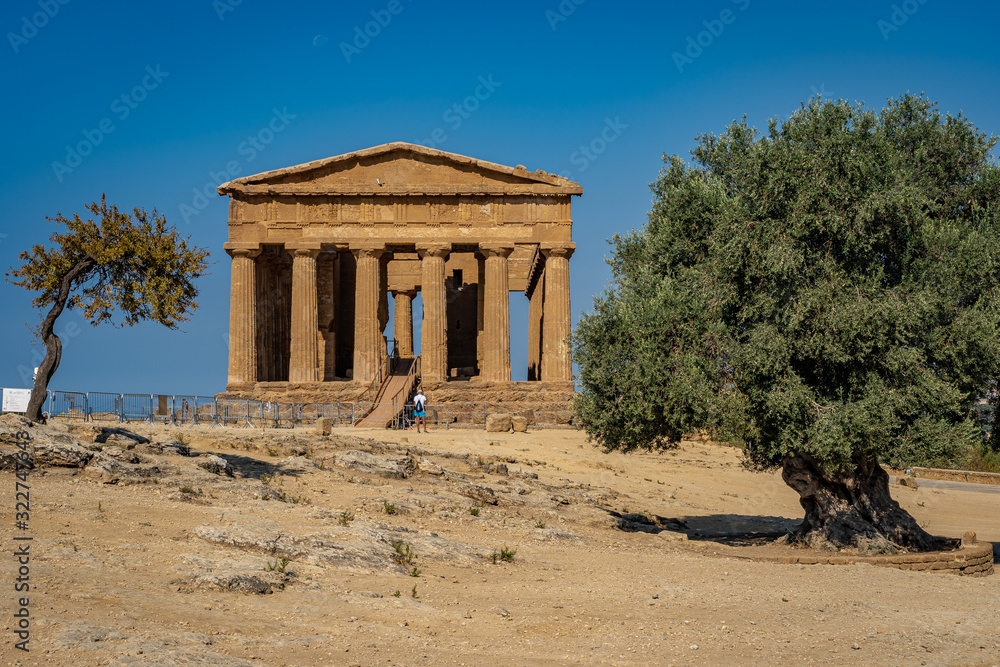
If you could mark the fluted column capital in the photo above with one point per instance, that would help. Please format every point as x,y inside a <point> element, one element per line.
<point>367,250</point>
<point>250,250</point>
<point>439,250</point>
<point>561,250</point>
<point>502,250</point>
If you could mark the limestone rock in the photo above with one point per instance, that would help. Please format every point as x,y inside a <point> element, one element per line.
<point>482,493</point>
<point>121,454</point>
<point>908,481</point>
<point>397,467</point>
<point>431,468</point>
<point>498,423</point>
<point>519,424</point>
<point>60,451</point>
<point>323,426</point>
<point>495,468</point>
<point>112,471</point>
<point>117,436</point>
<point>216,464</point>
<point>238,583</point>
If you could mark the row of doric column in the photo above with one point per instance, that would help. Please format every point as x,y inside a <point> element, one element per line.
<point>549,315</point>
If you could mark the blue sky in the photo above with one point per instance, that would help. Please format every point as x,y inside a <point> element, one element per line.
<point>164,96</point>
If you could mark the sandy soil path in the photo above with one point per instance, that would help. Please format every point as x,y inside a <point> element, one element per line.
<point>341,565</point>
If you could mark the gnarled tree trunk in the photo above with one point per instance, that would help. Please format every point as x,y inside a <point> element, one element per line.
<point>852,508</point>
<point>53,346</point>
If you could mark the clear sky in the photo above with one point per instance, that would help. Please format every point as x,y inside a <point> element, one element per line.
<point>150,101</point>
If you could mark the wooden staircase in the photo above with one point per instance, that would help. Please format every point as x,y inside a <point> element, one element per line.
<point>392,395</point>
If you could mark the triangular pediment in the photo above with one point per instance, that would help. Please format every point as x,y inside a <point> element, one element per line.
<point>401,168</point>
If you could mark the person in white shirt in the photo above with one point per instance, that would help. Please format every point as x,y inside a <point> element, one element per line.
<point>419,402</point>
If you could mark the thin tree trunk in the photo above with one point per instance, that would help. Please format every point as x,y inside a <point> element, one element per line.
<point>53,346</point>
<point>852,508</point>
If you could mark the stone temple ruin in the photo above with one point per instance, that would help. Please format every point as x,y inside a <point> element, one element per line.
<point>317,248</point>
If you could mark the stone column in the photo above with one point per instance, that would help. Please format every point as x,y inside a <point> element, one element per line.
<point>326,264</point>
<point>557,365</point>
<point>403,320</point>
<point>496,313</point>
<point>304,362</point>
<point>536,324</point>
<point>434,330</point>
<point>243,316</point>
<point>368,348</point>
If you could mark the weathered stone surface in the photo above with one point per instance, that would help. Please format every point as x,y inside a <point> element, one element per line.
<point>359,548</point>
<point>495,468</point>
<point>117,436</point>
<point>482,493</point>
<point>122,455</point>
<point>237,583</point>
<point>215,464</point>
<point>519,424</point>
<point>428,466</point>
<point>398,467</point>
<point>112,471</point>
<point>63,452</point>
<point>323,426</point>
<point>498,423</point>
<point>908,481</point>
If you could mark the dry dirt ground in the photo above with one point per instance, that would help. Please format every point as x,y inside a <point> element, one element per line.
<point>308,555</point>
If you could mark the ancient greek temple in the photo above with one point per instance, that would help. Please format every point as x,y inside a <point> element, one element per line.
<point>318,248</point>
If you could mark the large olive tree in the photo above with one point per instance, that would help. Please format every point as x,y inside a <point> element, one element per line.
<point>826,293</point>
<point>135,264</point>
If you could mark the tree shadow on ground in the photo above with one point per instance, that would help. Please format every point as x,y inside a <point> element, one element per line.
<point>730,529</point>
<point>249,467</point>
<point>739,529</point>
<point>733,529</point>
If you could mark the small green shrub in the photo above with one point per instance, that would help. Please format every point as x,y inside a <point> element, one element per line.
<point>345,517</point>
<point>404,553</point>
<point>278,565</point>
<point>504,555</point>
<point>388,508</point>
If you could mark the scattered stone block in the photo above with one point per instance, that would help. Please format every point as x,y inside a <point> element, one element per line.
<point>323,426</point>
<point>519,424</point>
<point>968,539</point>
<point>498,423</point>
<point>215,464</point>
<point>908,481</point>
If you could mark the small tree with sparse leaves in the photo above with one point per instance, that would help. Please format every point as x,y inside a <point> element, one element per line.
<point>134,264</point>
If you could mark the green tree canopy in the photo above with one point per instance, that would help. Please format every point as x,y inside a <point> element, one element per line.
<point>826,293</point>
<point>135,265</point>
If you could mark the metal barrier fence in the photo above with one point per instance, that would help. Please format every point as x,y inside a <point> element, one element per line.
<point>190,410</point>
<point>69,404</point>
<point>102,407</point>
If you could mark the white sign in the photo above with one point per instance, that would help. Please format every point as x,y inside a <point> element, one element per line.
<point>16,400</point>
